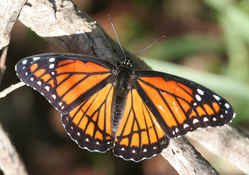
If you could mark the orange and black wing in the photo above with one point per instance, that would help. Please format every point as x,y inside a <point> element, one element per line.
<point>81,88</point>
<point>89,123</point>
<point>139,134</point>
<point>181,105</point>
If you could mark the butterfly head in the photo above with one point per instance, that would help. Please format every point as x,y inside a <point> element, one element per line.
<point>126,62</point>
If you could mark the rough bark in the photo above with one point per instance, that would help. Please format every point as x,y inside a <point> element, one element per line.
<point>9,12</point>
<point>10,163</point>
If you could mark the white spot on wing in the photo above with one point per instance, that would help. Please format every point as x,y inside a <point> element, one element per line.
<point>39,83</point>
<point>195,121</point>
<point>32,79</point>
<point>185,125</point>
<point>205,119</point>
<point>24,62</point>
<point>216,97</point>
<point>36,58</point>
<point>47,88</point>
<point>51,66</point>
<point>198,97</point>
<point>227,105</point>
<point>234,114</point>
<point>54,96</point>
<point>201,92</point>
<point>51,59</point>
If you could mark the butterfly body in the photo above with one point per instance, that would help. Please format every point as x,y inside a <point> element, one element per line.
<point>132,112</point>
<point>120,93</point>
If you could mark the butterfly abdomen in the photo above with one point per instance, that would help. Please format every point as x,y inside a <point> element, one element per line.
<point>120,93</point>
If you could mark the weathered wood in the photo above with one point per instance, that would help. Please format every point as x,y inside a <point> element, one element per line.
<point>9,12</point>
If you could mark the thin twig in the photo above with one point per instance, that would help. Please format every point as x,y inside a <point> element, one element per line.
<point>10,89</point>
<point>2,62</point>
<point>3,59</point>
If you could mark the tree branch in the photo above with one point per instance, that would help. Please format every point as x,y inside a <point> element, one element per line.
<point>226,142</point>
<point>76,32</point>
<point>185,159</point>
<point>72,30</point>
<point>2,62</point>
<point>10,10</point>
<point>10,162</point>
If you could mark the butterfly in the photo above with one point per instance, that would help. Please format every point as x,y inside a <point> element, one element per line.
<point>133,112</point>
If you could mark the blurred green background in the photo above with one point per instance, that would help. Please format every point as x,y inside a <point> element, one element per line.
<point>205,41</point>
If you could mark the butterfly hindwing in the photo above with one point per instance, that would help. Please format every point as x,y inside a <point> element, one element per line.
<point>181,105</point>
<point>89,124</point>
<point>139,135</point>
<point>80,88</point>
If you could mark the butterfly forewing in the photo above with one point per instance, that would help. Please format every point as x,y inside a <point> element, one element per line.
<point>181,105</point>
<point>62,78</point>
<point>139,135</point>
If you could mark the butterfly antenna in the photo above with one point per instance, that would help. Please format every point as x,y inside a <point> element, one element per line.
<point>117,36</point>
<point>162,37</point>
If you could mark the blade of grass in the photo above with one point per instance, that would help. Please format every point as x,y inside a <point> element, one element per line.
<point>181,46</point>
<point>237,52</point>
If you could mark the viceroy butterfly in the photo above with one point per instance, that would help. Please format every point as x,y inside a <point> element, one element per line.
<point>107,106</point>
